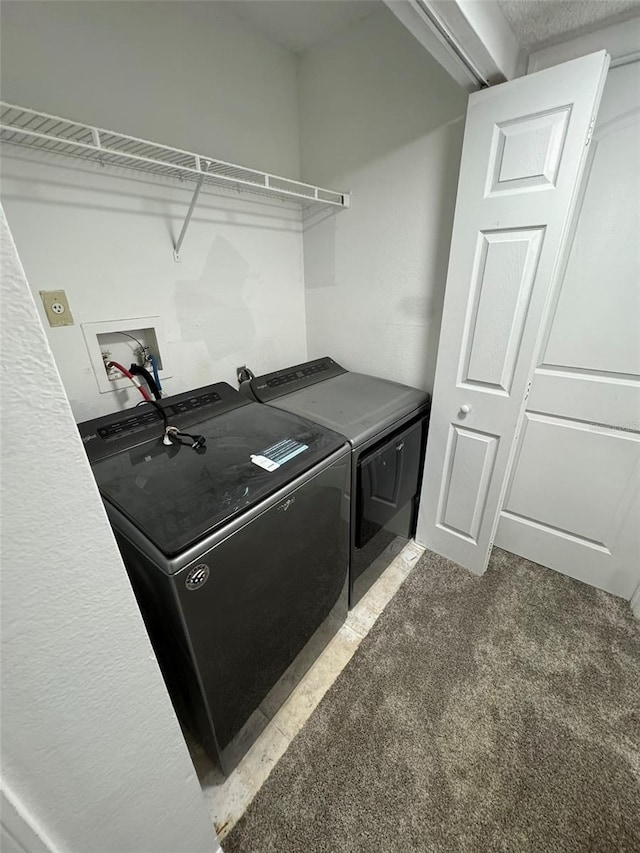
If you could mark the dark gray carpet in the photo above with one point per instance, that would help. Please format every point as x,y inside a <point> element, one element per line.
<point>499,713</point>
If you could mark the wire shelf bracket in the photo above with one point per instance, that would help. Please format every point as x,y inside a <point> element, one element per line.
<point>44,132</point>
<point>187,220</point>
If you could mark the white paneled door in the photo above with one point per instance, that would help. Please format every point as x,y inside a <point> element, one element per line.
<point>523,158</point>
<point>573,501</point>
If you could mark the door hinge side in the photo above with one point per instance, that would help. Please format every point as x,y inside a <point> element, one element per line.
<point>592,124</point>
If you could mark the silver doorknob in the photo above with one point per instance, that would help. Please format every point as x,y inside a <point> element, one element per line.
<point>465,409</point>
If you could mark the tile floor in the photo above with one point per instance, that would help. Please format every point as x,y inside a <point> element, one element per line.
<point>227,798</point>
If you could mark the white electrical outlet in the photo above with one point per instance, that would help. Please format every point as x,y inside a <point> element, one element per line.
<point>56,307</point>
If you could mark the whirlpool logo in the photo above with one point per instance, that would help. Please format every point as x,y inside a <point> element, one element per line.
<point>285,506</point>
<point>197,576</point>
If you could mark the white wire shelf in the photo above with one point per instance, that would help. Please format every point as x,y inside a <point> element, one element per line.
<point>32,129</point>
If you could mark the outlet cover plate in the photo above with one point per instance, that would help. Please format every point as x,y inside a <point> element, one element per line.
<point>56,307</point>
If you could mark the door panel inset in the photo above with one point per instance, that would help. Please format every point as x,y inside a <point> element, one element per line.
<point>596,319</point>
<point>503,280</point>
<point>573,477</point>
<point>527,152</point>
<point>469,465</point>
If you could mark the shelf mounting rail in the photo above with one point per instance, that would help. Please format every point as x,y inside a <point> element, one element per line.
<point>37,130</point>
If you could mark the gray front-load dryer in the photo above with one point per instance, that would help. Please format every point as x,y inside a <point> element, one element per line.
<point>237,549</point>
<point>386,425</point>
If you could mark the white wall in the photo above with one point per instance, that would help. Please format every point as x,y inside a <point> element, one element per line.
<point>188,74</point>
<point>379,117</point>
<point>91,747</point>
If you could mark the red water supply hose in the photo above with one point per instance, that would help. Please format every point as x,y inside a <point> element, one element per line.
<point>129,375</point>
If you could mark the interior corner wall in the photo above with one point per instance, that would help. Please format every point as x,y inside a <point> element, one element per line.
<point>91,747</point>
<point>379,117</point>
<point>190,75</point>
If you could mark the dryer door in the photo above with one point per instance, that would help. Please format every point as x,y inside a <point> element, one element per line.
<point>387,480</point>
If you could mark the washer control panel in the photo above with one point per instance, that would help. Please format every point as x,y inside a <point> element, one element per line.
<point>111,433</point>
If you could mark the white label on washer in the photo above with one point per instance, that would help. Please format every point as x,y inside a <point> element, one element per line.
<point>263,462</point>
<point>276,455</point>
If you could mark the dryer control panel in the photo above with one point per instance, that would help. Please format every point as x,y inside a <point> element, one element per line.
<point>270,386</point>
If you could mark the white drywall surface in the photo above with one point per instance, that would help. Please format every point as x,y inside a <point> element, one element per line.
<point>186,74</point>
<point>381,118</point>
<point>91,747</point>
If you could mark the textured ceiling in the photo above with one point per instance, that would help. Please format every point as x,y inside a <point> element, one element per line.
<point>540,21</point>
<point>299,24</point>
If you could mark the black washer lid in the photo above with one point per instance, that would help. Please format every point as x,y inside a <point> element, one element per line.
<point>176,496</point>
